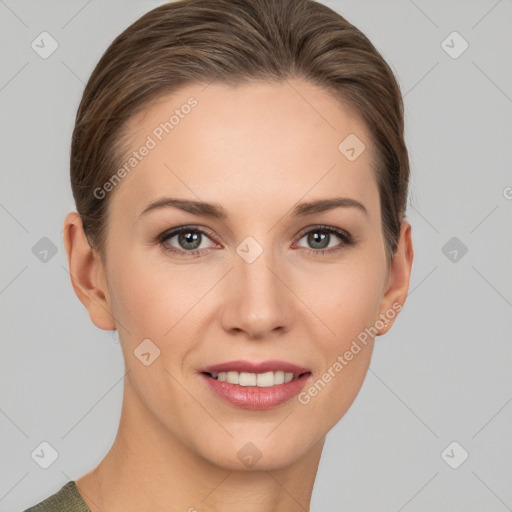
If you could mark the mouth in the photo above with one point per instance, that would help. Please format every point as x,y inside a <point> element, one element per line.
<point>256,386</point>
<point>261,374</point>
<point>260,380</point>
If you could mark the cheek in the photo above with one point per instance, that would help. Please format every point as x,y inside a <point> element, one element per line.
<point>149,296</point>
<point>348,307</point>
<point>346,299</point>
<point>151,301</point>
<point>137,301</point>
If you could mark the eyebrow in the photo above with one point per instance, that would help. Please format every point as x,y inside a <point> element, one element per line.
<point>216,211</point>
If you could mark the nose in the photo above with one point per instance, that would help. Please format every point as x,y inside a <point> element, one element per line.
<point>256,301</point>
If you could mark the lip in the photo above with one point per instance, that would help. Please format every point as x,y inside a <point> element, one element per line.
<point>254,397</point>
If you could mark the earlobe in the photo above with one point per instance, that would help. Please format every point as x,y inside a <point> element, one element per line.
<point>398,280</point>
<point>87,273</point>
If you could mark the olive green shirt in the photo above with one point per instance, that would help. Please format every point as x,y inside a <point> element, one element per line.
<point>67,499</point>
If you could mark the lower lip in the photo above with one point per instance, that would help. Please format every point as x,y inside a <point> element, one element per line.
<point>254,397</point>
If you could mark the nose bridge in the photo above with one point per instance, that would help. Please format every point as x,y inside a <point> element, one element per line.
<point>253,267</point>
<point>257,296</point>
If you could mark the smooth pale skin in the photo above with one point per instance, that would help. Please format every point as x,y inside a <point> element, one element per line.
<point>257,150</point>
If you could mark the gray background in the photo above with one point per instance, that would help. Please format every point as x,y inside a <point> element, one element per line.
<point>442,374</point>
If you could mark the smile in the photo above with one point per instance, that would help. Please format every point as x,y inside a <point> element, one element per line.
<point>261,380</point>
<point>256,386</point>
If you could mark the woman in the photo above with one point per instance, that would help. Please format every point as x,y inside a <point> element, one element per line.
<point>240,178</point>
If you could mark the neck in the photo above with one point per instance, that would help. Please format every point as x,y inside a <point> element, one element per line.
<point>147,468</point>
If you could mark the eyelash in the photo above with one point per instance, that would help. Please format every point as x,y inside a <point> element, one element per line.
<point>346,238</point>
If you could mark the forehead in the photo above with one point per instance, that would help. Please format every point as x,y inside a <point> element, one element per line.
<point>257,143</point>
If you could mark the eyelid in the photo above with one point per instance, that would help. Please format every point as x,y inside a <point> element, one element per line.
<point>191,227</point>
<point>324,227</point>
<point>171,233</point>
<point>346,238</point>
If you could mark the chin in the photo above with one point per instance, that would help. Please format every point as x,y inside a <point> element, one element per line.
<point>259,452</point>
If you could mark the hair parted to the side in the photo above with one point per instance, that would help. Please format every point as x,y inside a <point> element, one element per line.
<point>234,42</point>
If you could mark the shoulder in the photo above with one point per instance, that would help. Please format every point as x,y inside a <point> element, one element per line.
<point>66,499</point>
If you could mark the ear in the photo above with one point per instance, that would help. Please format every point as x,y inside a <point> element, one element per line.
<point>397,285</point>
<point>87,273</point>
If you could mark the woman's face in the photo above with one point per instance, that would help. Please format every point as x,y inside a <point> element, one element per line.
<point>264,282</point>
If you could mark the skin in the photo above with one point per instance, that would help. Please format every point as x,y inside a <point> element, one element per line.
<point>257,150</point>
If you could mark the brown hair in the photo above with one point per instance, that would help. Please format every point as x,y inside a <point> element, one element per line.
<point>231,42</point>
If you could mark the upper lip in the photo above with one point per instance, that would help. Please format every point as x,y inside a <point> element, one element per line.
<point>253,367</point>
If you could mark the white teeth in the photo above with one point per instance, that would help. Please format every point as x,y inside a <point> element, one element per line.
<point>232,377</point>
<point>247,379</point>
<point>262,380</point>
<point>279,377</point>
